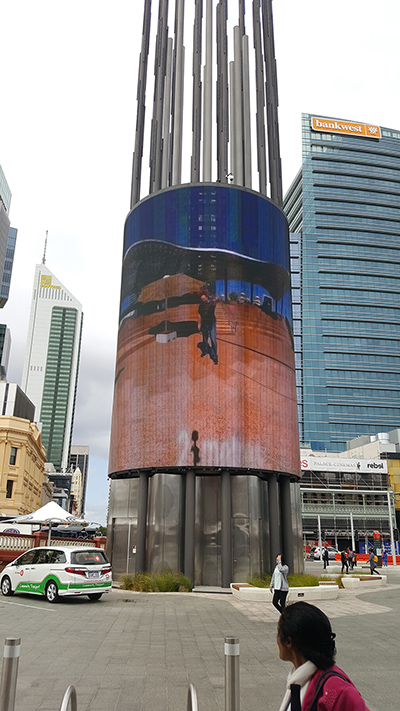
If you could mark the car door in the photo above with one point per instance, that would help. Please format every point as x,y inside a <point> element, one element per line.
<point>21,571</point>
<point>39,569</point>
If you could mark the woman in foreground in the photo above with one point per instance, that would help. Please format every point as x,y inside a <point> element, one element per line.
<point>305,638</point>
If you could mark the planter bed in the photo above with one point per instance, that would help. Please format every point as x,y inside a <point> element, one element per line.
<point>249,593</point>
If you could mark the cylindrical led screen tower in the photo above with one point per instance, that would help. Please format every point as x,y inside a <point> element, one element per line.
<point>204,453</point>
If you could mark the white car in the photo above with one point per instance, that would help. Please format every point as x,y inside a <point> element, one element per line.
<point>58,571</point>
<point>331,552</point>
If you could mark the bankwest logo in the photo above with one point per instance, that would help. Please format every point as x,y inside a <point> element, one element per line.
<point>352,129</point>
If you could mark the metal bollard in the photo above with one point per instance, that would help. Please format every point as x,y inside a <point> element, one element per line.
<point>70,695</point>
<point>9,674</point>
<point>232,687</point>
<point>192,704</point>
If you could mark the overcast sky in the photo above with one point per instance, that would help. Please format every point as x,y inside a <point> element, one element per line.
<point>67,121</point>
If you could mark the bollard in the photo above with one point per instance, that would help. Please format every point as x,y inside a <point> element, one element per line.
<point>232,688</point>
<point>70,695</point>
<point>9,673</point>
<point>192,704</point>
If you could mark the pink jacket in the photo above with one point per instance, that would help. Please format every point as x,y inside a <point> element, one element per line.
<point>337,694</point>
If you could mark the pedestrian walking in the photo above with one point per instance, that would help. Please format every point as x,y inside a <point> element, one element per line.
<point>325,557</point>
<point>384,559</point>
<point>350,559</point>
<point>373,559</point>
<point>279,583</point>
<point>343,558</point>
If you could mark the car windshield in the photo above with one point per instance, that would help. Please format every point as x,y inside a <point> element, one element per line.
<point>93,556</point>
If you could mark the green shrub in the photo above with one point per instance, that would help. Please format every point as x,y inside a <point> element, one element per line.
<point>302,580</point>
<point>295,581</point>
<point>262,581</point>
<point>165,581</point>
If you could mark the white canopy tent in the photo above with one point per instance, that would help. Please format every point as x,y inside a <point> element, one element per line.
<point>50,513</point>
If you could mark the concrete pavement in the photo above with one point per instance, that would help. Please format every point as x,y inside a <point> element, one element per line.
<point>139,651</point>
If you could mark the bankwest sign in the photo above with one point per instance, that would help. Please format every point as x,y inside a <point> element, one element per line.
<point>365,130</point>
<point>362,466</point>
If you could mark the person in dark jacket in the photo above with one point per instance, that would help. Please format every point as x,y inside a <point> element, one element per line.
<point>325,557</point>
<point>372,562</point>
<point>315,683</point>
<point>207,324</point>
<point>343,558</point>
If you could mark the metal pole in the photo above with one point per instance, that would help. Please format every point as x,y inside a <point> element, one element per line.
<point>167,117</point>
<point>238,135</point>
<point>192,704</point>
<point>178,73</point>
<point>232,687</point>
<point>70,695</point>
<point>141,106</point>
<point>207,106</point>
<point>9,674</point>
<point>352,531</point>
<point>246,112</point>
<point>319,536</point>
<point>392,543</point>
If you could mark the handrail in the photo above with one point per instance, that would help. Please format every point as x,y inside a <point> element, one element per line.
<point>70,695</point>
<point>192,704</point>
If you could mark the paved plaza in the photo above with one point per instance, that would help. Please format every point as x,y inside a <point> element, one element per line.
<point>139,651</point>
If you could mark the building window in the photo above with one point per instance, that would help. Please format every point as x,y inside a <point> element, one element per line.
<point>9,489</point>
<point>13,455</point>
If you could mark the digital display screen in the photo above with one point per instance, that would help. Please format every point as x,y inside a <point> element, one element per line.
<point>205,365</point>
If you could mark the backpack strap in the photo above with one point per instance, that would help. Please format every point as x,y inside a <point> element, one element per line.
<point>320,685</point>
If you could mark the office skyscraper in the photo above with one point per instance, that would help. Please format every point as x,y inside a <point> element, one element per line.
<point>8,266</point>
<point>51,363</point>
<point>8,238</point>
<point>204,458</point>
<point>343,210</point>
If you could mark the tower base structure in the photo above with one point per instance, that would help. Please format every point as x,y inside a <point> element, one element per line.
<point>216,527</point>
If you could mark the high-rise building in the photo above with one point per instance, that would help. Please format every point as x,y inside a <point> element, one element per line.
<point>5,345</point>
<point>14,402</point>
<point>51,365</point>
<point>79,459</point>
<point>204,455</point>
<point>8,266</point>
<point>344,215</point>
<point>5,202</point>
<point>8,238</point>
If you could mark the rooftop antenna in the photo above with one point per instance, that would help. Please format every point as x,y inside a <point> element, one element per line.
<point>45,247</point>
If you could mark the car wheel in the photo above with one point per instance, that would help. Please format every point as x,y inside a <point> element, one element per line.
<point>51,592</point>
<point>6,588</point>
<point>95,596</point>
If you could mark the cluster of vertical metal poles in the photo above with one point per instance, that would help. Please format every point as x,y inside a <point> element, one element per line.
<point>221,112</point>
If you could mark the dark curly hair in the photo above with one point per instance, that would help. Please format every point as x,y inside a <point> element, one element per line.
<point>310,633</point>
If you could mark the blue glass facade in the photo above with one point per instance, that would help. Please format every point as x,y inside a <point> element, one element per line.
<point>343,210</point>
<point>8,266</point>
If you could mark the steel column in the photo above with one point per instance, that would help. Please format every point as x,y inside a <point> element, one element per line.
<point>226,530</point>
<point>142,522</point>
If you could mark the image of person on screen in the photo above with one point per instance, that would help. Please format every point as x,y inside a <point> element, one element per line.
<point>207,324</point>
